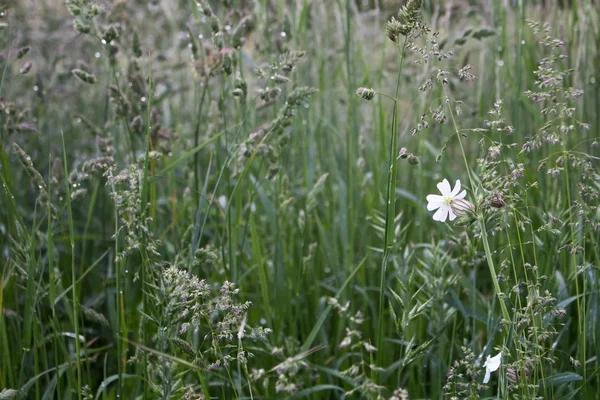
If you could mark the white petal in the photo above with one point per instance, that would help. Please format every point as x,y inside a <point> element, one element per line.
<point>493,363</point>
<point>486,379</point>
<point>444,187</point>
<point>456,188</point>
<point>452,215</point>
<point>435,202</point>
<point>461,195</point>
<point>441,214</point>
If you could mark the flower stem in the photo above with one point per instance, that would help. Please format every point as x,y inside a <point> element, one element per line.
<point>484,237</point>
<point>490,261</point>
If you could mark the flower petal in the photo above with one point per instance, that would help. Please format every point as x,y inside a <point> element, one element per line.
<point>435,202</point>
<point>493,363</point>
<point>452,215</point>
<point>441,214</point>
<point>444,187</point>
<point>486,379</point>
<point>456,188</point>
<point>461,195</point>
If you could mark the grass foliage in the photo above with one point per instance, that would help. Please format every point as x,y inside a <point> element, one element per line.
<point>227,199</point>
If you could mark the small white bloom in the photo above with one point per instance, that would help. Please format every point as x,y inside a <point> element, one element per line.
<point>491,365</point>
<point>444,203</point>
<point>222,202</point>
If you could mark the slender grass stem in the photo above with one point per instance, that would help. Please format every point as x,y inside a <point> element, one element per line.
<point>74,296</point>
<point>390,210</point>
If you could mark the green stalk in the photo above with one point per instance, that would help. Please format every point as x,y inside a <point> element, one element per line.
<point>490,261</point>
<point>350,141</point>
<point>197,139</point>
<point>130,138</point>
<point>144,200</point>
<point>484,238</point>
<point>233,265</point>
<point>390,210</point>
<point>573,258</point>
<point>51,283</point>
<point>73,274</point>
<point>118,302</point>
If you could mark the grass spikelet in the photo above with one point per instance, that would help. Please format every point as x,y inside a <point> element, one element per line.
<point>36,178</point>
<point>365,93</point>
<point>84,76</point>
<point>23,51</point>
<point>26,68</point>
<point>409,17</point>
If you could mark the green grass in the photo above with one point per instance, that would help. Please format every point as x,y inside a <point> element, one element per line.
<point>190,226</point>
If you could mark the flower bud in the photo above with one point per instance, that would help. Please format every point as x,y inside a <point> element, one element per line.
<point>462,207</point>
<point>497,202</point>
<point>413,160</point>
<point>511,375</point>
<point>403,153</point>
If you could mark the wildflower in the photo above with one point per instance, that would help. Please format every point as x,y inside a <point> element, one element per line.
<point>450,203</point>
<point>491,365</point>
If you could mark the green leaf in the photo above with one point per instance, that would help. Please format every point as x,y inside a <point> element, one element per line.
<point>317,327</point>
<point>113,378</point>
<point>562,378</point>
<point>319,388</point>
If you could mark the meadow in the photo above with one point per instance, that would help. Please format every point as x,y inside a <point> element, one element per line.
<point>299,199</point>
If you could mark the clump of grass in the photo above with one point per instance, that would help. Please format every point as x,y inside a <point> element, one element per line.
<point>223,218</point>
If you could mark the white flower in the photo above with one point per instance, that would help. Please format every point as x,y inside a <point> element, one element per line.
<point>491,365</point>
<point>451,202</point>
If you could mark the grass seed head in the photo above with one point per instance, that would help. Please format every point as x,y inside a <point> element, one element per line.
<point>84,76</point>
<point>365,93</point>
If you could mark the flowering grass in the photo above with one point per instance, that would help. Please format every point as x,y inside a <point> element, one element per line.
<point>239,200</point>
